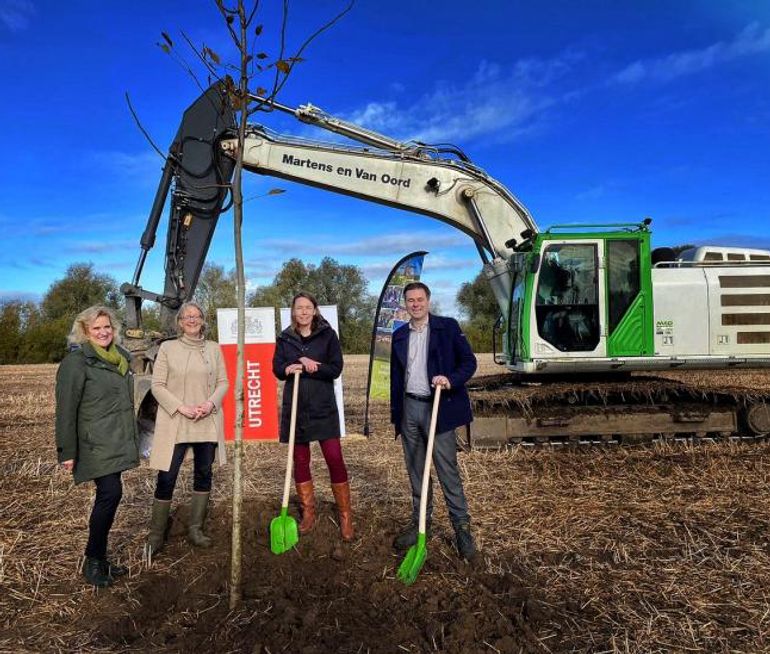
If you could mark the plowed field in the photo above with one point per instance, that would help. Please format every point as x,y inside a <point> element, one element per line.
<point>662,548</point>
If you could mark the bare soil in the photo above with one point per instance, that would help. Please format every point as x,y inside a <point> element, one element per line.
<point>654,549</point>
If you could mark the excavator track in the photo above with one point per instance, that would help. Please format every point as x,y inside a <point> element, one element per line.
<point>640,408</point>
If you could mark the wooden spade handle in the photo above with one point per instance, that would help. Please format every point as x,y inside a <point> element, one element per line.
<point>292,429</point>
<point>428,460</point>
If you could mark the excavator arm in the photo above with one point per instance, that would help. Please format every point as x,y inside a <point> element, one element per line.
<point>199,181</point>
<point>452,192</point>
<point>407,175</point>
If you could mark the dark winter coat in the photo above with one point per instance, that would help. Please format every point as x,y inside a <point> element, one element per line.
<point>449,354</point>
<point>317,415</point>
<point>95,423</point>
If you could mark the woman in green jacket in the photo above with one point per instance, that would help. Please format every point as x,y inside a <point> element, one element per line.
<point>96,435</point>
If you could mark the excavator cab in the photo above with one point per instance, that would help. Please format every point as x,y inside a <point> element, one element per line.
<point>588,299</point>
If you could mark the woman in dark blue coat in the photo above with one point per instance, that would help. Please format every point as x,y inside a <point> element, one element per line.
<point>310,346</point>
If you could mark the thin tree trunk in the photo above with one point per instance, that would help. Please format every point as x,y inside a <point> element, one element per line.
<point>236,577</point>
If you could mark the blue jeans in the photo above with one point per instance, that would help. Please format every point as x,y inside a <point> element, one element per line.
<point>203,454</point>
<point>414,438</point>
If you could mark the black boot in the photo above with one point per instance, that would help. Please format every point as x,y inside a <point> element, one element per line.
<point>114,570</point>
<point>94,570</point>
<point>466,546</point>
<point>408,536</point>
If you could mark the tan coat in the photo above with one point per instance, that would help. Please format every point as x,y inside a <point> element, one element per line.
<point>186,374</point>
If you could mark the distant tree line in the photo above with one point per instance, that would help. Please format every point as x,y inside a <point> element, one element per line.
<point>480,311</point>
<point>32,332</point>
<point>36,332</point>
<point>330,282</point>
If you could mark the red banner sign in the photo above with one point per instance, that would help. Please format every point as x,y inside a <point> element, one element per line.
<point>260,395</point>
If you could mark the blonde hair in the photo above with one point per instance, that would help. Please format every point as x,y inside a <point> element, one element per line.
<point>184,308</point>
<point>79,332</point>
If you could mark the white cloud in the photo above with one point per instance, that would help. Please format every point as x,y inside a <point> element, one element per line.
<point>493,102</point>
<point>593,193</point>
<point>753,39</point>
<point>116,268</point>
<point>398,244</point>
<point>441,262</point>
<point>15,226</point>
<point>144,166</point>
<point>379,269</point>
<point>25,262</point>
<point>261,272</point>
<point>736,240</point>
<point>9,295</point>
<point>33,227</point>
<point>97,247</point>
<point>16,14</point>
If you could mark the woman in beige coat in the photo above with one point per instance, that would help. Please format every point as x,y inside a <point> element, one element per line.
<point>189,381</point>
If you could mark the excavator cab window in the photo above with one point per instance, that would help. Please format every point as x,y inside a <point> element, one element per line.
<point>623,278</point>
<point>514,322</point>
<point>567,300</point>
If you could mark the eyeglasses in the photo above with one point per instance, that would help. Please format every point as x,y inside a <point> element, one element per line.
<point>194,318</point>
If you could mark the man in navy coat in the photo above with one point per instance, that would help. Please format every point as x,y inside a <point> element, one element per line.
<point>427,352</point>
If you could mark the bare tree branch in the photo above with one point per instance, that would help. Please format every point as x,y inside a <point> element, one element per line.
<point>240,99</point>
<point>143,130</point>
<point>170,154</point>
<point>236,554</point>
<point>212,71</point>
<point>185,67</point>
<point>282,49</point>
<point>228,15</point>
<point>278,85</point>
<point>252,14</point>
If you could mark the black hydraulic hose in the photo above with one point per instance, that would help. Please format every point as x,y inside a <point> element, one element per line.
<point>446,148</point>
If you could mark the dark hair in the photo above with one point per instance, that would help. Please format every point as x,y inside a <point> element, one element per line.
<point>413,286</point>
<point>316,316</point>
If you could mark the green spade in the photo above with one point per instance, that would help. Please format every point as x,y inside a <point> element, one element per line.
<point>415,558</point>
<point>283,528</point>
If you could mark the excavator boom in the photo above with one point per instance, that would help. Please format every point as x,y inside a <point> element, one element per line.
<point>416,177</point>
<point>452,191</point>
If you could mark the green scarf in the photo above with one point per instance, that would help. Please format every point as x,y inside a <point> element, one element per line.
<point>113,356</point>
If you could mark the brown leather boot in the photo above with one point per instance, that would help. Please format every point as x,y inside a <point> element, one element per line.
<point>307,502</point>
<point>342,497</point>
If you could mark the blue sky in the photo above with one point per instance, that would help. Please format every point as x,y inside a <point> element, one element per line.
<point>588,112</point>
